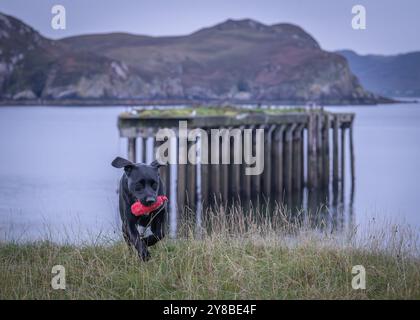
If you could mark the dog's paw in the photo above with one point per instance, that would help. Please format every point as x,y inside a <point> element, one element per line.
<point>145,256</point>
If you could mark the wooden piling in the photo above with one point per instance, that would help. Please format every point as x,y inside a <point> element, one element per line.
<point>164,170</point>
<point>277,159</point>
<point>234,172</point>
<point>288,158</point>
<point>297,159</point>
<point>204,172</point>
<point>302,152</point>
<point>169,179</point>
<point>326,151</point>
<point>245,179</point>
<point>319,146</point>
<point>335,149</point>
<point>267,173</point>
<point>343,154</point>
<point>351,153</point>
<point>181,178</point>
<point>191,180</point>
<point>165,173</point>
<point>214,167</point>
<point>142,155</point>
<point>132,149</point>
<point>224,167</point>
<point>312,145</point>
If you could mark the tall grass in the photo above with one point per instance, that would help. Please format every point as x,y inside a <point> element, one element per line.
<point>234,254</point>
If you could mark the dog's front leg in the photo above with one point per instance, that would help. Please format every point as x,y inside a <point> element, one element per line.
<point>158,229</point>
<point>133,235</point>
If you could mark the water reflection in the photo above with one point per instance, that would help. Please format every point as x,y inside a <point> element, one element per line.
<point>325,209</point>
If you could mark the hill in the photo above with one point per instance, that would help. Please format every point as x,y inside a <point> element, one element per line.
<point>236,61</point>
<point>392,76</point>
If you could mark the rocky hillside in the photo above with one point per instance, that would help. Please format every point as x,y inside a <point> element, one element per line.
<point>393,76</point>
<point>241,61</point>
<point>33,67</point>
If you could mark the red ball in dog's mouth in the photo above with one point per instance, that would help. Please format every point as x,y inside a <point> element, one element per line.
<point>138,209</point>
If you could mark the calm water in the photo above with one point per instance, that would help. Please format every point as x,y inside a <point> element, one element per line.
<point>55,171</point>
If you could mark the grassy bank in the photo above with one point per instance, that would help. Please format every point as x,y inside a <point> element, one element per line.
<point>235,259</point>
<point>208,111</point>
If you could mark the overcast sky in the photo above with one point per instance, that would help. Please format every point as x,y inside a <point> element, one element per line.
<point>392,26</point>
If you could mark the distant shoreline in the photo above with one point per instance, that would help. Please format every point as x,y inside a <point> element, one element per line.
<point>129,102</point>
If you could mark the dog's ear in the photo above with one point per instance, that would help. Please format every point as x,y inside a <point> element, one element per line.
<point>157,164</point>
<point>122,163</point>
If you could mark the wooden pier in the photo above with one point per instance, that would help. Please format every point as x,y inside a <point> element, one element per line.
<point>304,150</point>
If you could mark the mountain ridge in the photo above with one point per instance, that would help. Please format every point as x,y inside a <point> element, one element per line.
<point>236,60</point>
<point>396,75</point>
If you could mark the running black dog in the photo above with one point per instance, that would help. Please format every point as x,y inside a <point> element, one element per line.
<point>140,182</point>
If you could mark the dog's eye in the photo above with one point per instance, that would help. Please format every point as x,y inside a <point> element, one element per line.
<point>140,185</point>
<point>154,185</point>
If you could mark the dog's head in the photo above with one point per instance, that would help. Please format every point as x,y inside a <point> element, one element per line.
<point>142,180</point>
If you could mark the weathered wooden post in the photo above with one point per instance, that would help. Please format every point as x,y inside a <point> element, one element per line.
<point>141,143</point>
<point>277,158</point>
<point>224,164</point>
<point>204,140</point>
<point>335,149</point>
<point>288,160</point>
<point>351,153</point>
<point>319,154</point>
<point>267,174</point>
<point>131,149</point>
<point>343,154</point>
<point>182,175</point>
<point>297,158</point>
<point>302,152</point>
<point>214,169</point>
<point>245,179</point>
<point>235,165</point>
<point>312,145</point>
<point>326,150</point>
<point>165,169</point>
<point>191,177</point>
<point>335,185</point>
<point>167,181</point>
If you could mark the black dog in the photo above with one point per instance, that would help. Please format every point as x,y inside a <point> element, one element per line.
<point>140,182</point>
